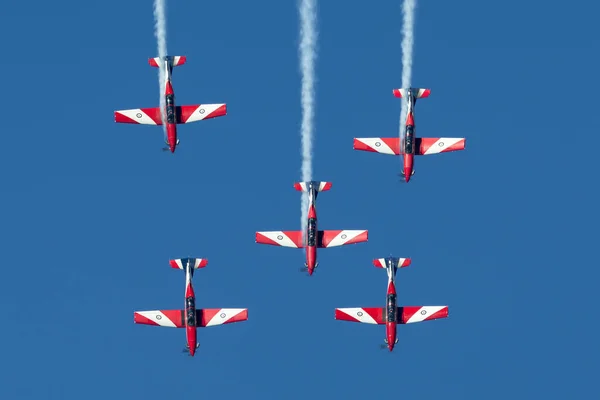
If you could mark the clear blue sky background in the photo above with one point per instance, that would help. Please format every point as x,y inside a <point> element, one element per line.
<point>505,232</point>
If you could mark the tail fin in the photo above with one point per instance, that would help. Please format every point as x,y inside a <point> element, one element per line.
<point>395,262</point>
<point>317,185</point>
<point>174,61</point>
<point>181,263</point>
<point>416,92</point>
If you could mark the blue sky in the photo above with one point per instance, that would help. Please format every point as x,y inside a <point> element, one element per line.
<point>504,232</point>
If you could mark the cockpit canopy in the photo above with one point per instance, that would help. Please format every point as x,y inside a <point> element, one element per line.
<point>312,232</point>
<point>391,308</point>
<point>190,311</point>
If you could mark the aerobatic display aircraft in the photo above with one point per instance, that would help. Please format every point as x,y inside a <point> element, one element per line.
<point>173,114</point>
<point>391,315</point>
<point>312,238</point>
<point>191,317</point>
<point>409,146</point>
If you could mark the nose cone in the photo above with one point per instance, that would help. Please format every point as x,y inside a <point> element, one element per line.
<point>310,271</point>
<point>192,351</point>
<point>172,147</point>
<point>391,346</point>
<point>407,173</point>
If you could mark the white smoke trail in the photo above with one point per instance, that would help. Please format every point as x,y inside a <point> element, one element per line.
<point>160,31</point>
<point>408,27</point>
<point>308,54</point>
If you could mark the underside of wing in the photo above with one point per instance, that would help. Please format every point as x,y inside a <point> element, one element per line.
<point>365,315</point>
<point>342,237</point>
<point>198,112</point>
<point>219,316</point>
<point>280,238</point>
<point>426,146</point>
<point>412,314</point>
<point>144,116</point>
<point>168,318</point>
<point>378,145</point>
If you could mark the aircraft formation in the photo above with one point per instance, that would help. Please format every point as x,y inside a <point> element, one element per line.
<point>407,146</point>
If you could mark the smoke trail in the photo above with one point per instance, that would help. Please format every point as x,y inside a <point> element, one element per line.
<point>408,26</point>
<point>308,54</point>
<point>160,31</point>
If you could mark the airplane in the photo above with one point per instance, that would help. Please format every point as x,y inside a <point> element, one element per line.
<point>174,114</point>
<point>191,317</point>
<point>409,146</point>
<point>314,238</point>
<point>391,315</point>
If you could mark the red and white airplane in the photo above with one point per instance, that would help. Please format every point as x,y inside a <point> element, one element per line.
<point>409,146</point>
<point>174,114</point>
<point>192,317</point>
<point>391,315</point>
<point>314,238</point>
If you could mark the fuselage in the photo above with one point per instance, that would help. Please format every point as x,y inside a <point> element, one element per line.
<point>171,123</point>
<point>391,319</point>
<point>170,116</point>
<point>190,312</point>
<point>408,144</point>
<point>311,233</point>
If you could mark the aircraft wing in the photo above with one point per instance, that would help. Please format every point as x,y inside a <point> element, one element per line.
<point>378,145</point>
<point>426,146</point>
<point>341,238</point>
<point>366,315</point>
<point>168,318</point>
<point>219,316</point>
<point>198,112</point>
<point>411,314</point>
<point>280,238</point>
<point>406,315</point>
<point>144,116</point>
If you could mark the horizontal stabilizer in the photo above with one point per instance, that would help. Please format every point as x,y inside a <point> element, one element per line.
<point>416,92</point>
<point>426,146</point>
<point>394,262</point>
<point>341,238</point>
<point>220,316</point>
<point>175,61</point>
<point>196,263</point>
<point>365,315</point>
<point>378,145</point>
<point>317,185</point>
<point>204,317</point>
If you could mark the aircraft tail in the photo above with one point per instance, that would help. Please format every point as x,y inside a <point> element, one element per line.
<point>416,92</point>
<point>393,261</point>
<point>174,61</point>
<point>316,185</point>
<point>181,263</point>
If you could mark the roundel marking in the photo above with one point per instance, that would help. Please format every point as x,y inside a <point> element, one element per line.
<point>139,115</point>
<point>423,312</point>
<point>440,144</point>
<point>344,236</point>
<point>201,111</point>
<point>360,313</point>
<point>222,315</point>
<point>377,144</point>
<point>159,317</point>
<point>279,237</point>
